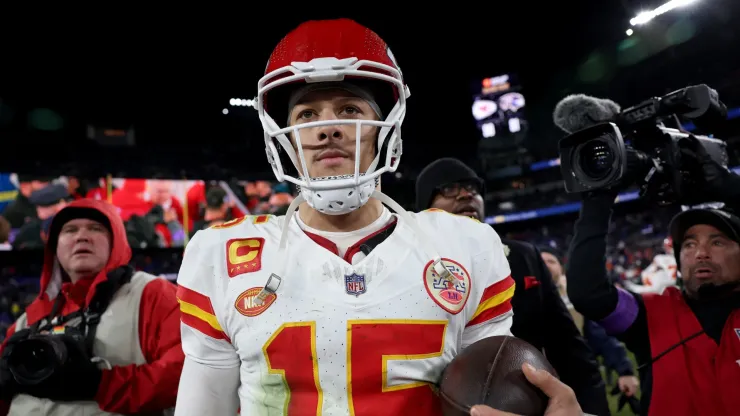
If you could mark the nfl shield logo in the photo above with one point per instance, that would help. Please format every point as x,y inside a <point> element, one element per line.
<point>737,331</point>
<point>354,284</point>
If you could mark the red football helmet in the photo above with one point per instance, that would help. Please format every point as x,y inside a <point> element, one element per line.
<point>322,52</point>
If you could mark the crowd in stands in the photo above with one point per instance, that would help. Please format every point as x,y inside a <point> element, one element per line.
<point>156,216</point>
<point>157,212</point>
<point>634,239</point>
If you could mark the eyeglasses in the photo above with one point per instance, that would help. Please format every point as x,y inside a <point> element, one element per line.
<point>452,190</point>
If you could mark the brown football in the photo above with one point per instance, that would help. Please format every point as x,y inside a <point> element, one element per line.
<point>490,372</point>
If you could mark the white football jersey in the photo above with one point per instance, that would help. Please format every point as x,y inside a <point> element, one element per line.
<point>336,338</point>
<point>660,274</point>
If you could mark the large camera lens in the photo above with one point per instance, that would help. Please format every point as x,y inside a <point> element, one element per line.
<point>35,359</point>
<point>595,158</point>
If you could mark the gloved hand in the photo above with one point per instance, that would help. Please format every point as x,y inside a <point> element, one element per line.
<point>8,386</point>
<point>717,182</point>
<point>624,400</point>
<point>77,379</point>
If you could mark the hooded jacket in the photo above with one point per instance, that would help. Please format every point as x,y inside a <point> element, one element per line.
<point>131,388</point>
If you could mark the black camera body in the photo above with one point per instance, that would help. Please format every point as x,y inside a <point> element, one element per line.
<point>40,356</point>
<point>637,146</point>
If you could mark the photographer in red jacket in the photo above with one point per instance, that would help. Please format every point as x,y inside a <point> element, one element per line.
<point>687,343</point>
<point>100,338</point>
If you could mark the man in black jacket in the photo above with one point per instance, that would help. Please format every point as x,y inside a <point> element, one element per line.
<point>540,316</point>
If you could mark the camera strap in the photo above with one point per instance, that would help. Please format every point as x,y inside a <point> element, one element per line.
<point>104,293</point>
<point>89,316</point>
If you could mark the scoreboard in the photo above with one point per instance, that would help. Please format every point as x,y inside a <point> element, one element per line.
<point>498,107</point>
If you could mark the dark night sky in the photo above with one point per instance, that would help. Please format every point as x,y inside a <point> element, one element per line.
<point>172,74</point>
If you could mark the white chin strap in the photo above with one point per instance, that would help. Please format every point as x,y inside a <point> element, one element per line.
<point>273,282</point>
<point>338,201</point>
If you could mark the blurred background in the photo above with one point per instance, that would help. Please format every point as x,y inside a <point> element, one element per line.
<point>153,112</point>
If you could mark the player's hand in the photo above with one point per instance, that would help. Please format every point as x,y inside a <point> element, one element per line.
<point>628,385</point>
<point>562,398</point>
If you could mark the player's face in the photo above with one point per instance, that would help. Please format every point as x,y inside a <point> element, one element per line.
<point>710,262</point>
<point>553,264</point>
<point>330,150</point>
<point>83,247</point>
<point>460,198</point>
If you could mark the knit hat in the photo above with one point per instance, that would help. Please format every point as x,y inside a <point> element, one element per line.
<point>442,172</point>
<point>49,195</point>
<point>69,213</point>
<point>215,197</point>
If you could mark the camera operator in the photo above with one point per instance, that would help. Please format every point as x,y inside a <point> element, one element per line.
<point>540,316</point>
<point>686,342</point>
<point>100,338</point>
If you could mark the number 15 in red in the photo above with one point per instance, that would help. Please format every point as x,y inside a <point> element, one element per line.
<point>291,353</point>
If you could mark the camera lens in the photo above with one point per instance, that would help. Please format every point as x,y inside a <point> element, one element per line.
<point>34,360</point>
<point>595,158</point>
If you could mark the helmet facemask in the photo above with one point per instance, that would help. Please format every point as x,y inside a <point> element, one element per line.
<point>323,52</point>
<point>333,195</point>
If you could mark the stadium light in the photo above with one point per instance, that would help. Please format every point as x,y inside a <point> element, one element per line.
<point>241,102</point>
<point>645,17</point>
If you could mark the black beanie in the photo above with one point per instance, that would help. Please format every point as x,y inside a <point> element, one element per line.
<point>68,214</point>
<point>441,172</point>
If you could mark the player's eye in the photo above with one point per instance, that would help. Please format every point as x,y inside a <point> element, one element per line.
<point>305,114</point>
<point>351,110</point>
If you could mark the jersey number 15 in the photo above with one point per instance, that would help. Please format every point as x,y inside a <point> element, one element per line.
<point>291,353</point>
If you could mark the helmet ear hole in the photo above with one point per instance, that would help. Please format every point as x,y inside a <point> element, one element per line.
<point>385,148</point>
<point>288,167</point>
<point>286,162</point>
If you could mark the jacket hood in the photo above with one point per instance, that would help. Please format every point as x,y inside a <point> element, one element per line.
<point>101,211</point>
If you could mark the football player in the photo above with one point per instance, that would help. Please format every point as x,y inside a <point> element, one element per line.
<point>340,306</point>
<point>660,274</point>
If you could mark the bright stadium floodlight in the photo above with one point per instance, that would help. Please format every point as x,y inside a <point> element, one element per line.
<point>241,102</point>
<point>645,17</point>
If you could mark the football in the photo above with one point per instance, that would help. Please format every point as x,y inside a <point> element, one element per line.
<point>490,372</point>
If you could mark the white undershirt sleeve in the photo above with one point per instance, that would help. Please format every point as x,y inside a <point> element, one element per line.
<point>207,390</point>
